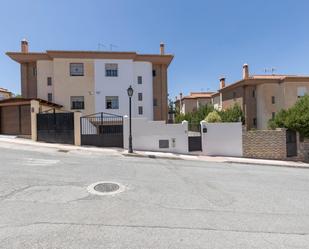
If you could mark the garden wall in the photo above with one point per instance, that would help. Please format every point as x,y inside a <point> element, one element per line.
<point>265,144</point>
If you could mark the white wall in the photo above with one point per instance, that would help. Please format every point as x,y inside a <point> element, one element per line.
<point>128,71</point>
<point>222,139</point>
<point>146,135</point>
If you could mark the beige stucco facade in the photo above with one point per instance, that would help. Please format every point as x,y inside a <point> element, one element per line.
<point>193,102</point>
<point>261,99</point>
<point>285,95</point>
<point>66,86</point>
<point>38,68</point>
<point>63,85</point>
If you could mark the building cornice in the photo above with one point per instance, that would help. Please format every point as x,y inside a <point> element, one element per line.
<point>52,54</point>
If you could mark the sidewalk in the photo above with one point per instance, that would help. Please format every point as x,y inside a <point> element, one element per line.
<point>156,155</point>
<point>219,159</point>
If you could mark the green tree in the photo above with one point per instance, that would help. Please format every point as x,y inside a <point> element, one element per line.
<point>232,114</point>
<point>295,118</point>
<point>194,117</point>
<point>278,121</point>
<point>213,117</point>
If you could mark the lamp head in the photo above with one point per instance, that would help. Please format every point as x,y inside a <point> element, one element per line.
<point>130,91</point>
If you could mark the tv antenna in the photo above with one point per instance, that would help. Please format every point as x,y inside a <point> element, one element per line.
<point>270,70</point>
<point>100,45</point>
<point>111,46</point>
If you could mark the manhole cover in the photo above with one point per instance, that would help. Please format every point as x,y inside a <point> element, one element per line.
<point>106,188</point>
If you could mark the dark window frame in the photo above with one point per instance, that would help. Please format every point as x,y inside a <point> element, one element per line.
<point>140,96</point>
<point>49,81</point>
<point>49,97</point>
<point>76,73</point>
<point>139,80</point>
<point>109,103</point>
<point>140,110</point>
<point>111,72</point>
<point>154,73</point>
<point>273,100</point>
<point>155,102</point>
<point>77,105</point>
<point>273,114</point>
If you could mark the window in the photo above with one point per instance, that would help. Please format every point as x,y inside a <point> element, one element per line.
<point>140,110</point>
<point>154,73</point>
<point>112,102</point>
<point>77,103</point>
<point>34,71</point>
<point>273,114</point>
<point>254,122</point>
<point>140,96</point>
<point>49,81</point>
<point>273,100</point>
<point>50,97</point>
<point>253,94</point>
<point>301,91</point>
<point>111,70</point>
<point>139,80</point>
<point>234,95</point>
<point>76,69</point>
<point>155,102</point>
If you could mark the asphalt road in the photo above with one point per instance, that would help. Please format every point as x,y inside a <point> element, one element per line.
<point>178,204</point>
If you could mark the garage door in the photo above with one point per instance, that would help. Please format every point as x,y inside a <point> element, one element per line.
<point>15,120</point>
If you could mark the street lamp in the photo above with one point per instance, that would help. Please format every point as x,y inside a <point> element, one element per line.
<point>130,94</point>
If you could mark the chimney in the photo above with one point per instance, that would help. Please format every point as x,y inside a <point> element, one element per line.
<point>24,46</point>
<point>222,82</point>
<point>245,72</point>
<point>162,52</point>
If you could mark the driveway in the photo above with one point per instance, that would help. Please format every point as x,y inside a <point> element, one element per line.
<point>44,202</point>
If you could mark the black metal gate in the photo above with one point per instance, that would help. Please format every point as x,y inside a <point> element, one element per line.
<point>291,143</point>
<point>194,137</point>
<point>55,127</point>
<point>102,130</point>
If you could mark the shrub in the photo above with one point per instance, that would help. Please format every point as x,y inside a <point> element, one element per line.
<point>194,117</point>
<point>213,117</point>
<point>295,118</point>
<point>232,114</point>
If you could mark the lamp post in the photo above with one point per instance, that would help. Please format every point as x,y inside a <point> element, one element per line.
<point>130,94</point>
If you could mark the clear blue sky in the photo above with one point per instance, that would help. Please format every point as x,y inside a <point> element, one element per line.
<point>208,38</point>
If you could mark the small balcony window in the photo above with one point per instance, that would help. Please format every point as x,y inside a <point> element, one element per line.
<point>77,103</point>
<point>76,69</point>
<point>111,70</point>
<point>112,102</point>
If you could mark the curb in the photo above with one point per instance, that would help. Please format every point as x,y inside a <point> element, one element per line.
<point>151,156</point>
<point>268,164</point>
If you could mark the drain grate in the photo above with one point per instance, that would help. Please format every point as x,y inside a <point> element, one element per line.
<point>105,188</point>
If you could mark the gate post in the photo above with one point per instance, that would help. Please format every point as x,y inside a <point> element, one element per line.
<point>77,128</point>
<point>35,109</point>
<point>203,134</point>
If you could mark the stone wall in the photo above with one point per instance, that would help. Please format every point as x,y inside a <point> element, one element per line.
<point>265,144</point>
<point>302,150</point>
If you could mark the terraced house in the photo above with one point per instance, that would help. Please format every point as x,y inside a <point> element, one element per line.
<point>96,81</point>
<point>262,96</point>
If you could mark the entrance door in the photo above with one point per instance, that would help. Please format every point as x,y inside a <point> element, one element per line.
<point>194,137</point>
<point>291,143</point>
